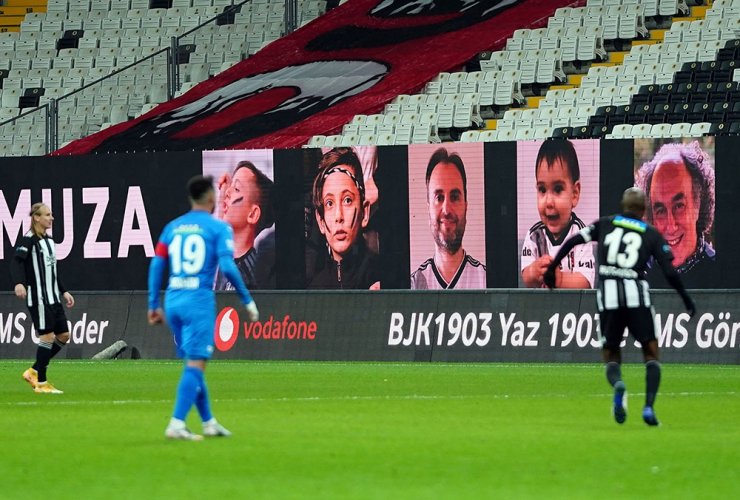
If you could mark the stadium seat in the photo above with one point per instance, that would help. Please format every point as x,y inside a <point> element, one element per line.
<point>621,131</point>
<point>699,129</point>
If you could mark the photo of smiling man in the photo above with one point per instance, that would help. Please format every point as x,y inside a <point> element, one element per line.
<point>678,179</point>
<point>447,203</point>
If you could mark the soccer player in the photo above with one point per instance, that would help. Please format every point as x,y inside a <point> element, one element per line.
<point>625,244</point>
<point>194,245</point>
<point>447,200</point>
<point>34,272</point>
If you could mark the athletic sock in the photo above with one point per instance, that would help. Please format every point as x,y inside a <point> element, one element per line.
<point>56,347</point>
<point>652,381</point>
<point>43,355</point>
<point>613,372</point>
<point>202,402</point>
<point>187,390</point>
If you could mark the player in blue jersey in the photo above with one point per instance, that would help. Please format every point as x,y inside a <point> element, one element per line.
<point>194,245</point>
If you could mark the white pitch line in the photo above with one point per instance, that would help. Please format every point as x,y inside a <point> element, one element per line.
<point>408,397</point>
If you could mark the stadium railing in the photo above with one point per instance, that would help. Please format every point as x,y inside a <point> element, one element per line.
<point>171,58</point>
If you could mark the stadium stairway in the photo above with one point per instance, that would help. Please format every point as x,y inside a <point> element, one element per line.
<point>12,13</point>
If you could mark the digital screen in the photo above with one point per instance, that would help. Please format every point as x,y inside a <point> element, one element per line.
<point>243,180</point>
<point>556,197</point>
<point>447,237</point>
<point>678,177</point>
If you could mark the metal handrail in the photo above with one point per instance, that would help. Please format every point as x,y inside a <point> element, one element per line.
<point>173,74</point>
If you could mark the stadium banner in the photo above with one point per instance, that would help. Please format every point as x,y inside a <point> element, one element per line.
<point>108,219</point>
<point>108,212</point>
<point>423,326</point>
<point>352,60</point>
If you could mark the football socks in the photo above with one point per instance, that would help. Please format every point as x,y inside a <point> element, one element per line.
<point>652,381</point>
<point>43,355</point>
<point>187,391</point>
<point>613,372</point>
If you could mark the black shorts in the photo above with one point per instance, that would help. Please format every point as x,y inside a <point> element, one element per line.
<point>639,321</point>
<point>48,318</point>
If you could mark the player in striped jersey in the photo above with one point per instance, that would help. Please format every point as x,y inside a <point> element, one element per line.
<point>625,244</point>
<point>34,272</point>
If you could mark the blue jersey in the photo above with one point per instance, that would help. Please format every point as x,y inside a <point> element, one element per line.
<point>194,245</point>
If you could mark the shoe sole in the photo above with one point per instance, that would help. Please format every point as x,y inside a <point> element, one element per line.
<point>191,437</point>
<point>217,435</point>
<point>195,437</point>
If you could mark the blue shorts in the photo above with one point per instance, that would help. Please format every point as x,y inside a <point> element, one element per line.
<point>192,328</point>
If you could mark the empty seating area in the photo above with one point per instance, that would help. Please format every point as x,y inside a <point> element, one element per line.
<point>580,92</point>
<point>76,43</point>
<point>611,68</point>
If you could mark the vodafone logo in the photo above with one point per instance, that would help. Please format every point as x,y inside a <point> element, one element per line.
<point>271,329</point>
<point>227,329</point>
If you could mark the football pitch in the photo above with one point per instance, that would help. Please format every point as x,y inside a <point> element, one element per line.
<point>370,430</point>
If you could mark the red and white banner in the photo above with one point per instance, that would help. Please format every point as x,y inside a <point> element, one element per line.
<point>352,60</point>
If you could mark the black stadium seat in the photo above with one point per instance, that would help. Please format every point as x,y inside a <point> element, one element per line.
<point>639,114</point>
<point>646,94</point>
<point>580,132</point>
<point>719,129</point>
<point>659,113</point>
<point>734,114</point>
<point>699,112</point>
<point>685,91</point>
<point>719,112</point>
<point>600,131</point>
<point>561,132</point>
<point>679,112</point>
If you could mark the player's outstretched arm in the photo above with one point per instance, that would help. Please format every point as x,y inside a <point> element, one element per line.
<point>549,277</point>
<point>664,257</point>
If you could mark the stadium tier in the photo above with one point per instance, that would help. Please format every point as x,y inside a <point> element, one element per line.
<point>531,71</point>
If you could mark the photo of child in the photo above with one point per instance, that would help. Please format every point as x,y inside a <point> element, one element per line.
<point>560,181</point>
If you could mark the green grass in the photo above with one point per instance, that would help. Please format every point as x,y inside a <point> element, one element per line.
<point>366,430</point>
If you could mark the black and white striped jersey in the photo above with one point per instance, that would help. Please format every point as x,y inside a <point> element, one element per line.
<point>539,241</point>
<point>625,245</point>
<point>470,275</point>
<point>35,265</point>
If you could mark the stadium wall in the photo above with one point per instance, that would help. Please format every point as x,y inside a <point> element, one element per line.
<point>452,326</point>
<point>110,209</point>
